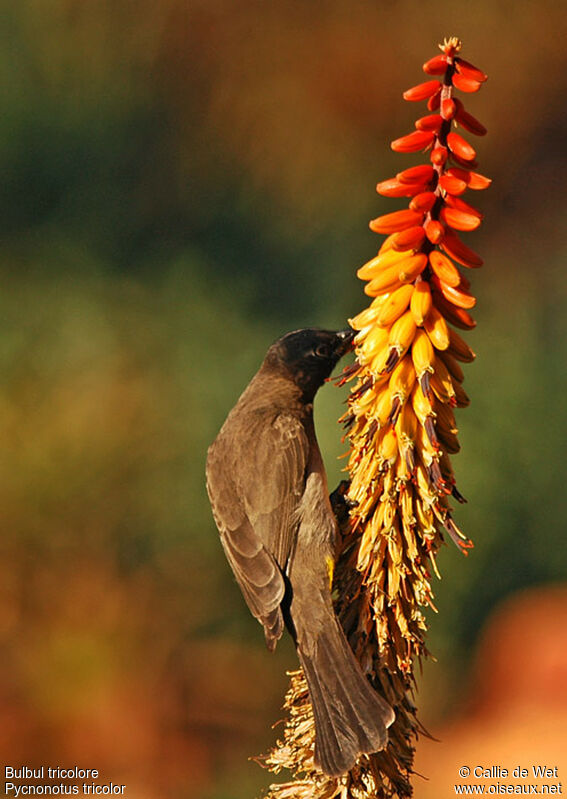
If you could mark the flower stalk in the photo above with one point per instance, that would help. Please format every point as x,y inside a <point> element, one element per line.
<point>401,428</point>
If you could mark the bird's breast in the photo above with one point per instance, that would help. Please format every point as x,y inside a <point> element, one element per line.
<point>317,531</point>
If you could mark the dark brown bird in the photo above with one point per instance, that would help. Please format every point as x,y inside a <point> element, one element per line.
<point>268,490</point>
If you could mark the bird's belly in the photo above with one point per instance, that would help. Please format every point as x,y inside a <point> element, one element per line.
<point>311,566</point>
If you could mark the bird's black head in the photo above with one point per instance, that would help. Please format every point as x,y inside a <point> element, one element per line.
<point>309,356</point>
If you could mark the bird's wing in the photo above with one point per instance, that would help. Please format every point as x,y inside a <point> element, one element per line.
<point>272,492</point>
<point>255,484</point>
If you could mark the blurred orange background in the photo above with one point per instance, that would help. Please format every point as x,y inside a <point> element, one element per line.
<point>182,183</point>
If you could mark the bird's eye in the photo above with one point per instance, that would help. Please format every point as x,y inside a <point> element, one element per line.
<point>323,351</point>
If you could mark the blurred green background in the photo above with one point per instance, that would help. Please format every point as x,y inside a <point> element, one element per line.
<point>182,182</point>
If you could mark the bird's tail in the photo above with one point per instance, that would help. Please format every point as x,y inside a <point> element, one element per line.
<point>350,717</point>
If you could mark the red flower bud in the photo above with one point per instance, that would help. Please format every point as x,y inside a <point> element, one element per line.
<point>474,180</point>
<point>393,188</point>
<point>423,202</point>
<point>463,162</point>
<point>418,140</point>
<point>439,155</point>
<point>422,91</point>
<point>478,181</point>
<point>467,85</point>
<point>452,184</point>
<point>468,70</point>
<point>460,147</point>
<point>456,202</point>
<point>436,65</point>
<point>448,108</point>
<point>416,174</point>
<point>469,122</point>
<point>431,122</point>
<point>434,101</point>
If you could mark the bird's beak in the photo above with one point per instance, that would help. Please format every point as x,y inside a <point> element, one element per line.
<point>345,339</point>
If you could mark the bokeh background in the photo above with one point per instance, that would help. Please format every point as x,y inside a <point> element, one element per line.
<point>181,183</point>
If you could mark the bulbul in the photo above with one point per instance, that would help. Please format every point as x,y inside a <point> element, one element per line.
<point>268,491</point>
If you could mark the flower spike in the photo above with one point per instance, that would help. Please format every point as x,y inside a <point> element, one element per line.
<point>401,427</point>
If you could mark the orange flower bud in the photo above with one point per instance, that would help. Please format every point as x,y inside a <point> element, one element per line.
<point>454,247</point>
<point>460,147</point>
<point>456,316</point>
<point>409,239</point>
<point>434,231</point>
<point>386,244</point>
<point>418,140</point>
<point>436,65</point>
<point>444,268</point>
<point>437,329</point>
<point>454,294</point>
<point>378,264</point>
<point>422,91</point>
<point>398,220</point>
<point>459,220</point>
<point>411,267</point>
